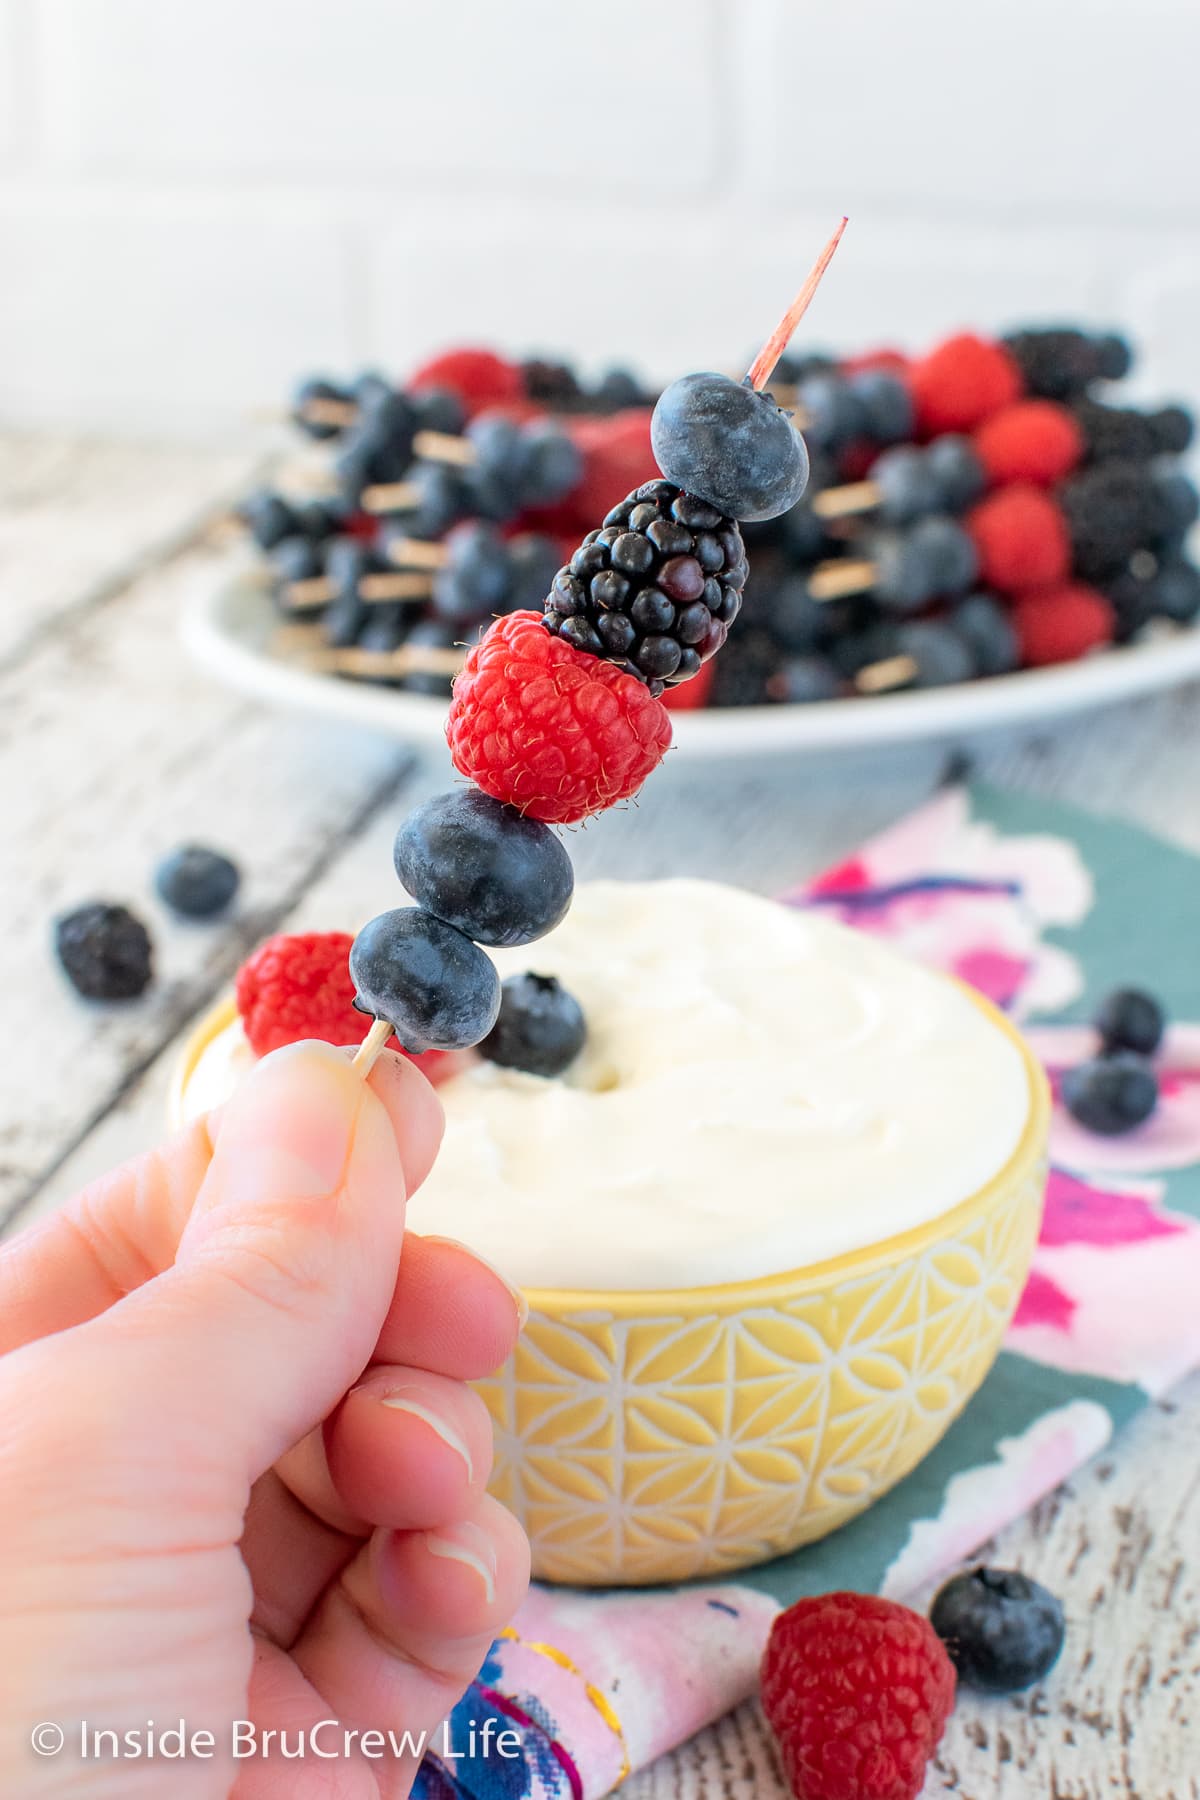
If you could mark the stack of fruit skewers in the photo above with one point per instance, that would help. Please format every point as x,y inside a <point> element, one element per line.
<point>970,512</point>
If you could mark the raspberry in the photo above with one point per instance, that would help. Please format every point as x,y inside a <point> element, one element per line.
<point>1060,623</point>
<point>479,377</point>
<point>655,589</point>
<point>962,383</point>
<point>1022,539</point>
<point>297,987</point>
<point>548,729</point>
<point>857,1691</point>
<point>1034,440</point>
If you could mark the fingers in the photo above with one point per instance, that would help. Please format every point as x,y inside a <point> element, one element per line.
<point>411,1619</point>
<point>405,1449</point>
<point>286,1268</point>
<point>116,1234</point>
<point>451,1313</point>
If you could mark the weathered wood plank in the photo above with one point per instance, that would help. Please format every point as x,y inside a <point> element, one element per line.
<point>1119,1718</point>
<point>78,520</point>
<point>112,748</point>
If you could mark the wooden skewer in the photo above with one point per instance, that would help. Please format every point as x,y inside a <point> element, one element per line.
<point>841,502</point>
<point>375,590</point>
<point>417,553</point>
<point>409,659</point>
<point>835,580</point>
<point>390,496</point>
<point>882,677</point>
<point>368,1052</point>
<point>327,412</point>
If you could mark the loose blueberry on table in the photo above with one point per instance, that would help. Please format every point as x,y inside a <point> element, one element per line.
<point>556,717</point>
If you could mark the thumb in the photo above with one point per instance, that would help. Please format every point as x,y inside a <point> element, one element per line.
<point>287,1266</point>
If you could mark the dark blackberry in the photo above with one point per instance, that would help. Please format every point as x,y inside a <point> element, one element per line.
<point>655,589</point>
<point>553,383</point>
<point>105,951</point>
<point>1059,362</point>
<point>1115,433</point>
<point>746,668</point>
<point>1111,511</point>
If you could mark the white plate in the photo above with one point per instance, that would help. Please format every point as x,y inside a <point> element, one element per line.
<point>230,630</point>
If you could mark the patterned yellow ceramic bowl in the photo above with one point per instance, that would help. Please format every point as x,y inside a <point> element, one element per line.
<point>654,1436</point>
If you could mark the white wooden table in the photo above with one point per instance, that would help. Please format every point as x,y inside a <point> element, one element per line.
<point>113,747</point>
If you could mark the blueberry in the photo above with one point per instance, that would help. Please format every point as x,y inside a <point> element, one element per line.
<point>952,556</point>
<point>105,951</point>
<point>549,464</point>
<point>435,634</point>
<point>618,388</point>
<point>480,866</point>
<point>1112,1094</point>
<point>1130,1019</point>
<point>1175,592</point>
<point>1178,501</point>
<point>495,478</point>
<point>268,517</point>
<point>533,563</point>
<point>954,465</point>
<point>296,559</point>
<point>802,680</point>
<point>438,409</point>
<point>792,616</point>
<point>721,441</point>
<point>987,629</point>
<point>906,575</point>
<point>317,388</point>
<point>433,985</point>
<point>886,404</point>
<point>440,498</point>
<point>941,655</point>
<point>803,537</point>
<point>196,882</point>
<point>1173,428</point>
<point>476,577</point>
<point>372,391</point>
<point>1001,1630</point>
<point>833,413</point>
<point>541,1027</point>
<point>908,488</point>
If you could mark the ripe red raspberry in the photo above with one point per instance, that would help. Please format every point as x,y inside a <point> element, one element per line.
<point>1021,538</point>
<point>479,377</point>
<point>549,729</point>
<point>1031,441</point>
<point>962,383</point>
<point>857,1691</point>
<point>297,987</point>
<point>1058,624</point>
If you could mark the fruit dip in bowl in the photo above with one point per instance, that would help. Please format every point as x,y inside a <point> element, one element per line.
<point>771,1222</point>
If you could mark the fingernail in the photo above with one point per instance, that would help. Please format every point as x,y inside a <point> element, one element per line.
<point>291,1123</point>
<point>467,1543</point>
<point>405,1401</point>
<point>518,1298</point>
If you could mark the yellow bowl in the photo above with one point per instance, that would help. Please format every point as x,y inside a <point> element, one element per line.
<point>656,1436</point>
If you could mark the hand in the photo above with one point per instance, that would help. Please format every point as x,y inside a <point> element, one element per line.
<point>241,1477</point>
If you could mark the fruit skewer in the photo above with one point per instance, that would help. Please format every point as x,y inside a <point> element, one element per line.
<point>555,717</point>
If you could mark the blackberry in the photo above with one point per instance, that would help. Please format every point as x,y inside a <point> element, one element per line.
<point>655,589</point>
<point>1115,433</point>
<point>105,951</point>
<point>746,670</point>
<point>553,383</point>
<point>1111,511</point>
<point>1061,362</point>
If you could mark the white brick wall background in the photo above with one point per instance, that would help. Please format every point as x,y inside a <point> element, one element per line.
<point>198,201</point>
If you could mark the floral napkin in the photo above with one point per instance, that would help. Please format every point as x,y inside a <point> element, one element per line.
<point>1042,909</point>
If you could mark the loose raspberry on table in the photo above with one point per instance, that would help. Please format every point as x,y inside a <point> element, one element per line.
<point>857,1691</point>
<point>549,729</point>
<point>297,986</point>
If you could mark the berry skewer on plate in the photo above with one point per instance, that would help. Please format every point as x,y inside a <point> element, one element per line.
<point>557,716</point>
